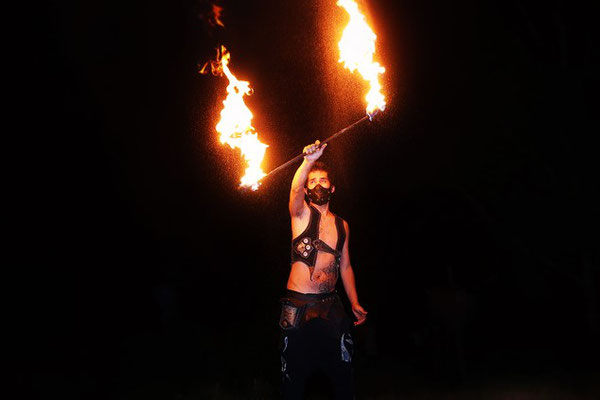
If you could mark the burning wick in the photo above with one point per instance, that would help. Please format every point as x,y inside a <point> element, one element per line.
<point>357,48</point>
<point>235,125</point>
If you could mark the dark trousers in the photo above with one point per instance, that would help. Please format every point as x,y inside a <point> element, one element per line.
<point>312,348</point>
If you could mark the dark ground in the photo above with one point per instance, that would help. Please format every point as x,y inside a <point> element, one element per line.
<point>473,200</point>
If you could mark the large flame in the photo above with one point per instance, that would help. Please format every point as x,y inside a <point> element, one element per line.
<point>357,48</point>
<point>236,128</point>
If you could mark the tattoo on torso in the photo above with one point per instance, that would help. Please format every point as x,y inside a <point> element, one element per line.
<point>326,278</point>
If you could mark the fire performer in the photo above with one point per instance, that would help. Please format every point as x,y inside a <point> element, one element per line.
<point>316,331</point>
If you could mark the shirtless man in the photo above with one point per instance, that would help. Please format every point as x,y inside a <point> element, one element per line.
<point>315,328</point>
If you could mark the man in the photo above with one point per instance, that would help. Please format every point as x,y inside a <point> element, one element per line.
<point>315,328</point>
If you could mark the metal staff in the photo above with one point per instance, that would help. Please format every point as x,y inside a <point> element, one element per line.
<point>329,139</point>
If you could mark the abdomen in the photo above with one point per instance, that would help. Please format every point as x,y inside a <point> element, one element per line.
<point>324,276</point>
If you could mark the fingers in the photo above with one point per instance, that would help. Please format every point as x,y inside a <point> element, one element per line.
<point>360,314</point>
<point>310,149</point>
<point>315,149</point>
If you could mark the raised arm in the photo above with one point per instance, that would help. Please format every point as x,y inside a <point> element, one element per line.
<point>297,204</point>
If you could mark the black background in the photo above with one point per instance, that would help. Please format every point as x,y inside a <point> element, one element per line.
<point>472,200</point>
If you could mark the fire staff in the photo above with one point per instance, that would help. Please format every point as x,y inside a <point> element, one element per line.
<point>315,329</point>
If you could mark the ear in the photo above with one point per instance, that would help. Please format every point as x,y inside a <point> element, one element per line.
<point>332,188</point>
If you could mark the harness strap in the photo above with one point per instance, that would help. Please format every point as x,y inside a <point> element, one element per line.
<point>322,246</point>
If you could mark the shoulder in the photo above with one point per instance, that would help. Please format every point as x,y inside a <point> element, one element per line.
<point>344,223</point>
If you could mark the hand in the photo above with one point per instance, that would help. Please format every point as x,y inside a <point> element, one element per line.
<point>360,314</point>
<point>313,151</point>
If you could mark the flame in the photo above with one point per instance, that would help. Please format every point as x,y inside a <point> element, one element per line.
<point>216,15</point>
<point>236,128</point>
<point>357,48</point>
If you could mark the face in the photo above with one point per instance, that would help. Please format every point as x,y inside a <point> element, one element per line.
<point>318,177</point>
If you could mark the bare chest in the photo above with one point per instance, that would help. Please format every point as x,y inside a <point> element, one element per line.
<point>326,230</point>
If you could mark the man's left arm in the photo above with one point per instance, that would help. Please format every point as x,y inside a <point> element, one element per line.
<point>347,275</point>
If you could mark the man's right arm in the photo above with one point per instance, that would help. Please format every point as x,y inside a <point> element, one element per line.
<point>297,205</point>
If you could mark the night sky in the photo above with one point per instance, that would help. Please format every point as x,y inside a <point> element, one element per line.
<point>472,201</point>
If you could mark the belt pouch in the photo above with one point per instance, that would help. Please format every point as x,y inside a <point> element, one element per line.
<point>291,314</point>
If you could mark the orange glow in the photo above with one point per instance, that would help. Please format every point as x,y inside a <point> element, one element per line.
<point>235,126</point>
<point>357,48</point>
<point>217,15</point>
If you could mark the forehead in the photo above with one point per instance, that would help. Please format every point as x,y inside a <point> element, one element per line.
<point>318,174</point>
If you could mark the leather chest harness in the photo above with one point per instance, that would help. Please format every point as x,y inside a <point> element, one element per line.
<point>306,245</point>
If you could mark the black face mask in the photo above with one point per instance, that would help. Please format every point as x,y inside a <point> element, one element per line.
<point>319,195</point>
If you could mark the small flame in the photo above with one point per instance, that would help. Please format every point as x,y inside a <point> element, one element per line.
<point>357,48</point>
<point>216,15</point>
<point>236,128</point>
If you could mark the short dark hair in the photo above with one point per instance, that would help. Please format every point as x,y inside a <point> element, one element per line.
<point>321,166</point>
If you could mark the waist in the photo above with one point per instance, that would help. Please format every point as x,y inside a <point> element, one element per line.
<point>310,297</point>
